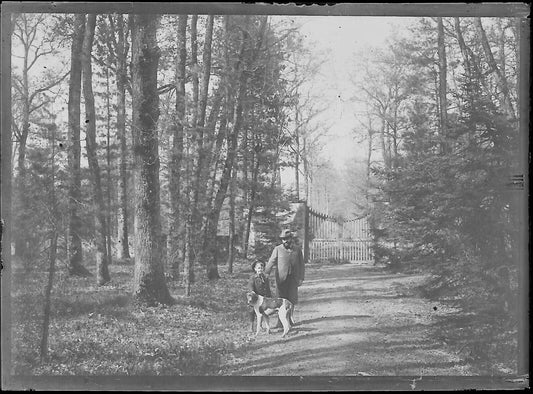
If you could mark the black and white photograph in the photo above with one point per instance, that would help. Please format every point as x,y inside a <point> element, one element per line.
<point>265,196</point>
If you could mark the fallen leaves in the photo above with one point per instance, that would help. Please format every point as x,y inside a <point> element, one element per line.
<point>98,331</point>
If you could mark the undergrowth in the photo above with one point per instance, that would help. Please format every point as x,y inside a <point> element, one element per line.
<point>482,331</point>
<point>97,330</point>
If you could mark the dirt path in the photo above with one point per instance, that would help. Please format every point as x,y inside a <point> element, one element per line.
<point>353,320</point>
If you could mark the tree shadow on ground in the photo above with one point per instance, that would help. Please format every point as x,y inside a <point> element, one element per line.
<point>335,277</point>
<point>340,352</point>
<point>320,334</point>
<point>332,318</point>
<point>115,305</point>
<point>352,298</point>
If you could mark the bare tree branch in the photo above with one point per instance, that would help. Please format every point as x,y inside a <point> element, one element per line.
<point>48,87</point>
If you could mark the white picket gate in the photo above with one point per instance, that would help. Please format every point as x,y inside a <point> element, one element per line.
<point>334,238</point>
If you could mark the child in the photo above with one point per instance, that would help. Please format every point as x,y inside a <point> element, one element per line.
<point>259,284</point>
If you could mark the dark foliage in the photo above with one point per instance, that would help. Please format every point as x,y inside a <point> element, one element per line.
<point>450,212</point>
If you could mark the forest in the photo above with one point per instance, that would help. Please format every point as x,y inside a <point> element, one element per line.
<point>142,172</point>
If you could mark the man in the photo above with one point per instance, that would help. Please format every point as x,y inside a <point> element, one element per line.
<point>289,261</point>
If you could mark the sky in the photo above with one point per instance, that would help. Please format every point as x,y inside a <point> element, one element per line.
<point>343,36</point>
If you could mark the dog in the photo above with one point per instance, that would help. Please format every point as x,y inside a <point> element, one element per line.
<point>260,304</point>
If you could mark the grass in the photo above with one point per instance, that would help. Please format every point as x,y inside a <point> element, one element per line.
<point>97,330</point>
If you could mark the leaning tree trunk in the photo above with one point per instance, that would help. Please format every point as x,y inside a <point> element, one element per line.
<point>74,152</point>
<point>500,76</point>
<point>463,48</point>
<point>470,64</point>
<point>102,257</point>
<point>149,286</point>
<point>244,62</point>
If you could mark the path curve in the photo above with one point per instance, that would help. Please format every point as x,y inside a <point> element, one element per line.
<point>353,320</point>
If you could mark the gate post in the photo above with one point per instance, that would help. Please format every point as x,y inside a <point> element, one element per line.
<point>306,233</point>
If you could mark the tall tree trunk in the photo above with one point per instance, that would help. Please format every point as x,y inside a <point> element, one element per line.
<point>244,169</point>
<point>21,241</point>
<point>231,229</point>
<point>187,269</point>
<point>121,76</point>
<point>253,192</point>
<point>47,295</point>
<point>199,128</point>
<point>6,190</point>
<point>74,153</point>
<point>254,52</point>
<point>443,104</point>
<point>212,220</point>
<point>394,136</point>
<point>190,236</point>
<point>212,145</point>
<point>206,73</point>
<point>215,158</point>
<point>102,258</point>
<point>386,157</point>
<point>500,76</point>
<point>109,202</point>
<point>369,154</point>
<point>149,286</point>
<point>297,155</point>
<point>52,250</point>
<point>305,164</point>
<point>176,227</point>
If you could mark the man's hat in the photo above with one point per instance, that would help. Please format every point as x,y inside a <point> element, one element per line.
<point>256,262</point>
<point>285,234</point>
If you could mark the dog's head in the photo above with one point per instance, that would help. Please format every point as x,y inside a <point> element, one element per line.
<point>251,297</point>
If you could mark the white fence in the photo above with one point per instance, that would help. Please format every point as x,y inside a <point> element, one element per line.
<point>351,250</point>
<point>333,238</point>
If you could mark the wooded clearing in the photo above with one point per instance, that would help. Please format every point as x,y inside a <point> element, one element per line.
<point>148,159</point>
<point>354,320</point>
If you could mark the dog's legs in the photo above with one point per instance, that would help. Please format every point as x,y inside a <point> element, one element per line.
<point>283,315</point>
<point>291,314</point>
<point>267,323</point>
<point>253,319</point>
<point>259,322</point>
